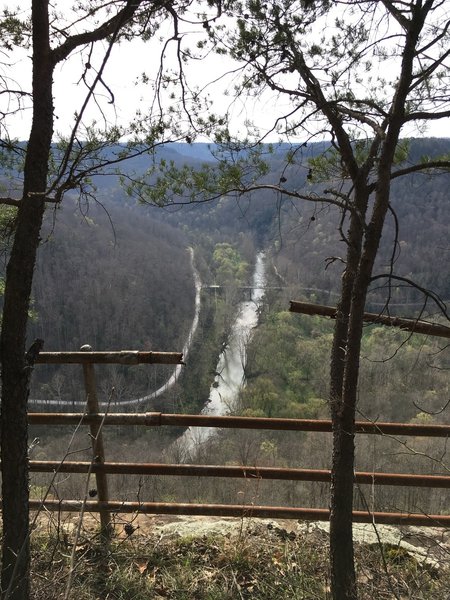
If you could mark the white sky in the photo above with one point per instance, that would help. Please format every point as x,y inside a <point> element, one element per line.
<point>125,67</point>
<point>128,61</point>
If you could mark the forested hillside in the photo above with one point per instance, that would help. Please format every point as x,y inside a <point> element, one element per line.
<point>309,245</point>
<point>117,274</point>
<point>132,287</point>
<point>307,237</point>
<point>114,278</point>
<point>118,280</point>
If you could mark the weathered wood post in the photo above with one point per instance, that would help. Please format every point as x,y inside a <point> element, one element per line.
<point>97,442</point>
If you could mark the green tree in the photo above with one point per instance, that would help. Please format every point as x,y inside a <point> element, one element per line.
<point>229,266</point>
<point>42,173</point>
<point>337,80</point>
<point>361,74</point>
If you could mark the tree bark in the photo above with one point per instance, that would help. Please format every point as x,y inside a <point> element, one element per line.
<point>343,576</point>
<point>16,372</point>
<point>363,244</point>
<point>19,275</point>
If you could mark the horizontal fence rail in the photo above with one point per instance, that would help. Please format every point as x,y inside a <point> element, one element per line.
<point>240,510</point>
<point>122,357</point>
<point>152,419</point>
<point>413,325</point>
<point>157,419</point>
<point>188,470</point>
<point>100,467</point>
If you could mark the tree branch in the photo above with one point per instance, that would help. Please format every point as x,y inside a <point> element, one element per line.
<point>427,116</point>
<point>435,40</point>
<point>108,28</point>
<point>439,164</point>
<point>362,118</point>
<point>318,97</point>
<point>10,202</point>
<point>428,293</point>
<point>426,73</point>
<point>398,16</point>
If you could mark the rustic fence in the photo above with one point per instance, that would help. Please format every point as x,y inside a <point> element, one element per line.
<point>100,467</point>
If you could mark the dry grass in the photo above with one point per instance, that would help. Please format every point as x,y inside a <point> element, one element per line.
<point>250,561</point>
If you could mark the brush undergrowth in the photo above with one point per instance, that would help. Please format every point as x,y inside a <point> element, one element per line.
<point>256,562</point>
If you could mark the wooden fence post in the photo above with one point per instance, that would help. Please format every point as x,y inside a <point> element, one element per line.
<point>97,442</point>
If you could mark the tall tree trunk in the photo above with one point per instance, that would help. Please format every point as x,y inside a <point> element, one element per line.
<point>343,575</point>
<point>343,460</point>
<point>363,247</point>
<point>362,251</point>
<point>19,275</point>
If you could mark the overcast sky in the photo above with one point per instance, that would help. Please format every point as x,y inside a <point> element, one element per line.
<point>122,76</point>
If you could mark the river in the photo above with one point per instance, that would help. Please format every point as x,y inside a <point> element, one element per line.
<point>230,377</point>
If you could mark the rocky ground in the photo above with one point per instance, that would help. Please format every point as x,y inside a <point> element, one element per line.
<point>200,558</point>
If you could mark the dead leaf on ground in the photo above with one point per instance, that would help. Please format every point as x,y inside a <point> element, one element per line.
<point>142,565</point>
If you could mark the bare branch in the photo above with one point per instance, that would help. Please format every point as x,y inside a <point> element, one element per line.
<point>10,202</point>
<point>435,40</point>
<point>427,116</point>
<point>362,118</point>
<point>432,412</point>
<point>437,164</point>
<point>106,29</point>
<point>428,293</point>
<point>426,73</point>
<point>397,14</point>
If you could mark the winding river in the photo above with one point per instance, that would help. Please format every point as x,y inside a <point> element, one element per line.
<point>230,368</point>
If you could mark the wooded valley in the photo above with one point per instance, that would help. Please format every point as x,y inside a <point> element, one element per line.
<point>118,276</point>
<point>172,174</point>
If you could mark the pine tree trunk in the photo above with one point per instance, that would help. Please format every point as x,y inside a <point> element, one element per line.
<point>343,460</point>
<point>362,251</point>
<point>19,275</point>
<point>342,404</point>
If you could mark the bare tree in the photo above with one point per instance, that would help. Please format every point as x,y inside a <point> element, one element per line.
<point>360,74</point>
<point>42,172</point>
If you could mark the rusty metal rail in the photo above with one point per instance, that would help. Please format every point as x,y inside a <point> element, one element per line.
<point>123,357</point>
<point>87,358</point>
<point>241,510</point>
<point>100,467</point>
<point>245,472</point>
<point>414,325</point>
<point>157,419</point>
<point>248,472</point>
